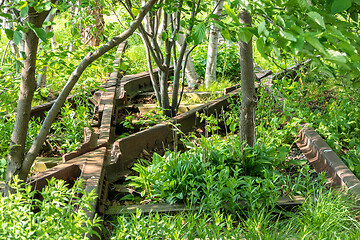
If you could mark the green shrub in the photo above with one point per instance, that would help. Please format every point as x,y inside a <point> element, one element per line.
<point>220,172</point>
<point>60,215</point>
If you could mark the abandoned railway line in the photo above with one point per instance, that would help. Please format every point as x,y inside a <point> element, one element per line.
<point>103,159</point>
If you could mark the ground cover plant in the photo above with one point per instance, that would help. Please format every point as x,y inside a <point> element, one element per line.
<point>61,214</point>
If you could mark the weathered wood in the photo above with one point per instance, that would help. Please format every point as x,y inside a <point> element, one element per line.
<point>180,207</point>
<point>146,108</point>
<point>162,207</point>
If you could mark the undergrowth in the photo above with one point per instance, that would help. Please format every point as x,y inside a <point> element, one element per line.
<point>61,214</point>
<point>331,107</point>
<point>236,187</point>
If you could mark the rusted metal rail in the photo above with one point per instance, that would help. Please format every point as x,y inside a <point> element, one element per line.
<point>323,158</point>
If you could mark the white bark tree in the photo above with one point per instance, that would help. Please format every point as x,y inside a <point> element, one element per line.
<point>210,73</point>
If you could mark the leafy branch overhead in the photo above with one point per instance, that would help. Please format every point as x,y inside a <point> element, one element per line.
<point>326,32</point>
<point>21,10</point>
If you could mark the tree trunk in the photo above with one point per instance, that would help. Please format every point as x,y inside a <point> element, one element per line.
<point>27,89</point>
<point>164,74</point>
<point>210,73</point>
<point>75,9</point>
<point>248,94</point>
<point>192,77</point>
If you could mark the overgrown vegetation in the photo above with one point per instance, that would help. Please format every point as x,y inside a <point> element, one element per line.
<point>331,107</point>
<point>24,216</point>
<point>327,215</point>
<point>236,187</point>
<point>216,172</point>
<point>67,133</point>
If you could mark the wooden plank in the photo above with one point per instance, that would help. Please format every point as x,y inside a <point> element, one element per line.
<point>161,207</point>
<point>180,207</point>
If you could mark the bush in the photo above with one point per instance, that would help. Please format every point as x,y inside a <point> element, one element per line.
<point>60,215</point>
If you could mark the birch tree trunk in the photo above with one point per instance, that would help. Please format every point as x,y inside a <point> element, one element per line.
<point>248,94</point>
<point>210,73</point>
<point>170,21</point>
<point>191,75</point>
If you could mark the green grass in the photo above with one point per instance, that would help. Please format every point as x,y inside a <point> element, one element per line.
<point>327,215</point>
<point>219,85</point>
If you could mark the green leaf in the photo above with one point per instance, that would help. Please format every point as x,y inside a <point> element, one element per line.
<point>199,33</point>
<point>163,36</point>
<point>213,16</point>
<point>5,15</point>
<point>327,71</point>
<point>280,20</point>
<point>299,44</point>
<point>315,43</point>
<point>261,47</point>
<point>245,35</point>
<point>9,33</point>
<point>337,57</point>
<point>261,27</point>
<point>24,11</point>
<point>41,33</point>
<point>49,35</point>
<point>288,36</point>
<point>276,51</point>
<point>17,37</point>
<point>317,18</point>
<point>135,11</point>
<point>226,34</point>
<point>303,4</point>
<point>340,5</point>
<point>231,13</point>
<point>357,2</point>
